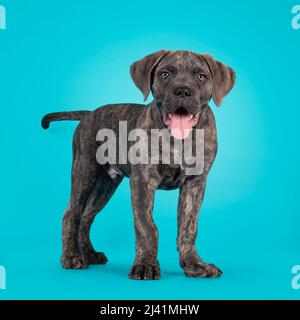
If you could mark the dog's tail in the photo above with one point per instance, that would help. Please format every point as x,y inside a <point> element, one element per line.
<point>60,116</point>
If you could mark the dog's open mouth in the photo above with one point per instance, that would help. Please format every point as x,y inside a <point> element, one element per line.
<point>180,123</point>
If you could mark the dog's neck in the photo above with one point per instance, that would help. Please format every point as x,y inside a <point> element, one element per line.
<point>156,114</point>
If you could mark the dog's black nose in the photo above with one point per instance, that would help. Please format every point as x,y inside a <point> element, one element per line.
<point>183,92</point>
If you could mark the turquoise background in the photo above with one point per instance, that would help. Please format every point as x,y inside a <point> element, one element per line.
<point>65,55</point>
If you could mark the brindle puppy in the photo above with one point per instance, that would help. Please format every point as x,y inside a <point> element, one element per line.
<point>182,83</point>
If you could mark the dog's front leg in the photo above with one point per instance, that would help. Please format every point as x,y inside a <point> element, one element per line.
<point>191,197</point>
<point>144,182</point>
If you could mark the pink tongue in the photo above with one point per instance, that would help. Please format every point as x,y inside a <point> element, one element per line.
<point>180,126</point>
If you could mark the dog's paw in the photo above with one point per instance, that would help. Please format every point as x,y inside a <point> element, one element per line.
<point>201,270</point>
<point>144,272</point>
<point>96,258</point>
<point>73,262</point>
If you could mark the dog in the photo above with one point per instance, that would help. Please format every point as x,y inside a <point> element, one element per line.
<point>182,84</point>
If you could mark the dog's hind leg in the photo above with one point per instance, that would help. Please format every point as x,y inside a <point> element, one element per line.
<point>85,171</point>
<point>98,198</point>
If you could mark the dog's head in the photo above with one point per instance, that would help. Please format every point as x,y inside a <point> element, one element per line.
<point>182,83</point>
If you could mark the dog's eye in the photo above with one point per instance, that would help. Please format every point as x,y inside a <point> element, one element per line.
<point>201,77</point>
<point>165,75</point>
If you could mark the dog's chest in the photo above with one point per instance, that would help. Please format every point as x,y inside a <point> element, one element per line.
<point>173,177</point>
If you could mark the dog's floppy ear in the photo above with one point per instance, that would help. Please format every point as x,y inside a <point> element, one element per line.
<point>223,78</point>
<point>142,71</point>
